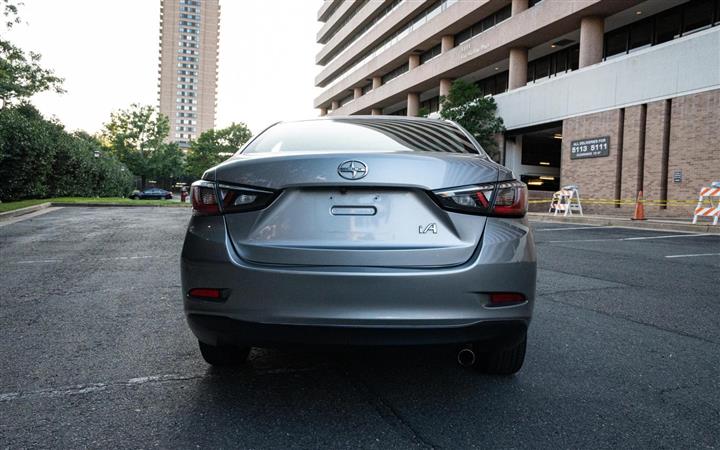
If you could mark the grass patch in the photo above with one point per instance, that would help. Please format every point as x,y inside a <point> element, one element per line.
<point>11,206</point>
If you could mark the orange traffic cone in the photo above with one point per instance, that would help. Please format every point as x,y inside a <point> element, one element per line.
<point>639,207</point>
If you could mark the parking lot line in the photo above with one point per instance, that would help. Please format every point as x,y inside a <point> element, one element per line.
<point>640,238</point>
<point>40,261</point>
<point>31,215</point>
<point>113,258</point>
<point>591,227</point>
<point>692,255</point>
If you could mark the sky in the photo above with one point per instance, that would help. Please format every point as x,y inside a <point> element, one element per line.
<point>107,51</point>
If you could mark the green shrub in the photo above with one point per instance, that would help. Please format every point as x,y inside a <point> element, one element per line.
<point>39,159</point>
<point>27,153</point>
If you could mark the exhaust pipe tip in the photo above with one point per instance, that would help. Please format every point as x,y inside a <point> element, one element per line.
<point>466,357</point>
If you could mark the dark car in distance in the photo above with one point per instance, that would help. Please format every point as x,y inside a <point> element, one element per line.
<point>151,194</point>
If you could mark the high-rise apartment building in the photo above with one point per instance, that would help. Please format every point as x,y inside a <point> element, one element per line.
<point>615,96</point>
<point>189,39</point>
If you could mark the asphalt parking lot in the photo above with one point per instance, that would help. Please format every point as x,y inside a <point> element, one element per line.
<point>624,351</point>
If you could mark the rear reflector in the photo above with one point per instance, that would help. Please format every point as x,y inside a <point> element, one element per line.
<point>505,298</point>
<point>208,293</point>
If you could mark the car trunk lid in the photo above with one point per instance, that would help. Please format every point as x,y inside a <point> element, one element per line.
<point>384,219</point>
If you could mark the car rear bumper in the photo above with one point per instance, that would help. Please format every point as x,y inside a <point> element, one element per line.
<point>272,305</point>
<point>218,330</point>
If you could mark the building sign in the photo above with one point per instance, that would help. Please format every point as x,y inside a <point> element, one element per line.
<point>590,148</point>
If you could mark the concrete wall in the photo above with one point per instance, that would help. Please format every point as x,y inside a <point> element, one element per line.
<point>686,65</point>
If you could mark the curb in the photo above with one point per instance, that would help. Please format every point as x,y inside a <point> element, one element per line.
<point>649,224</point>
<point>23,211</point>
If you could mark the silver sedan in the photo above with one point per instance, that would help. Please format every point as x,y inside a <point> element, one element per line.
<point>361,231</point>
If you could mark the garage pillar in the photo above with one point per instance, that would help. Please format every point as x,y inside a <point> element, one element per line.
<point>518,67</point>
<point>518,6</point>
<point>447,42</point>
<point>445,84</point>
<point>413,104</point>
<point>592,30</point>
<point>413,61</point>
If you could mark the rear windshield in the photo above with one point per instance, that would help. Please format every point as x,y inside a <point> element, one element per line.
<point>362,135</point>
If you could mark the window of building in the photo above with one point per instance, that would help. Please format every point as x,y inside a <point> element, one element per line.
<point>395,73</point>
<point>663,27</point>
<point>420,20</point>
<point>616,42</point>
<point>493,85</point>
<point>341,23</point>
<point>363,30</point>
<point>668,26</point>
<point>484,25</point>
<point>345,100</point>
<point>554,64</point>
<point>464,35</point>
<point>698,15</point>
<point>641,35</point>
<point>427,55</point>
<point>367,88</point>
<point>541,69</point>
<point>431,105</point>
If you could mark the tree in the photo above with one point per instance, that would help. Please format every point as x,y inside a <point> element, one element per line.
<point>21,75</point>
<point>466,105</point>
<point>134,135</point>
<point>168,162</point>
<point>38,158</point>
<point>214,146</point>
<point>10,12</point>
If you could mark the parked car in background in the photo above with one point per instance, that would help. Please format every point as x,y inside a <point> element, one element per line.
<point>152,194</point>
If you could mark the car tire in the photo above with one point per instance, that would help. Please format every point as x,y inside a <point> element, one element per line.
<point>223,355</point>
<point>504,361</point>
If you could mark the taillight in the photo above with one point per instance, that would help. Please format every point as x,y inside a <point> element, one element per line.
<point>504,199</point>
<point>204,198</point>
<point>471,199</point>
<point>238,199</point>
<point>510,199</point>
<point>233,199</point>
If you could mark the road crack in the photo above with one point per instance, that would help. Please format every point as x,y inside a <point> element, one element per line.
<point>389,413</point>
<point>629,319</point>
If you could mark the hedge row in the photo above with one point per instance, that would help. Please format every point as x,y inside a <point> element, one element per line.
<point>39,159</point>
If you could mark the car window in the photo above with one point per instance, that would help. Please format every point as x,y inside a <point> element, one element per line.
<point>350,135</point>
